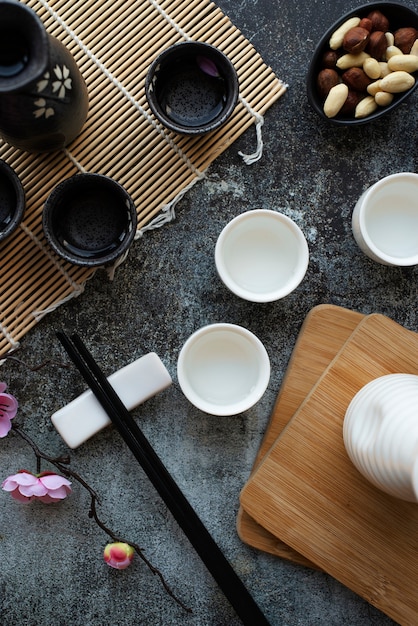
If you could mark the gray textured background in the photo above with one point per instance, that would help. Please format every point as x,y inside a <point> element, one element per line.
<point>51,570</point>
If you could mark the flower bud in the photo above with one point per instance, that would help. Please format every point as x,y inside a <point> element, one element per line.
<point>118,555</point>
<point>8,409</point>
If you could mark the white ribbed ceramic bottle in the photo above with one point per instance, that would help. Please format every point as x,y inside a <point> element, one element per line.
<point>381,434</point>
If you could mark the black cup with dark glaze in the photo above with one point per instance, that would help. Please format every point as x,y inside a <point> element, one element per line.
<point>89,220</point>
<point>12,200</point>
<point>192,88</point>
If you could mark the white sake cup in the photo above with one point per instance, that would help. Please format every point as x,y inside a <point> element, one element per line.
<point>261,255</point>
<point>385,220</point>
<point>223,369</point>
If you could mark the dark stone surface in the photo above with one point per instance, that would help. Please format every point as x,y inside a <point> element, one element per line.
<point>51,567</point>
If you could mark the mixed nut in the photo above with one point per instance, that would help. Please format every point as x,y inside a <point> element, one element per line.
<point>366,65</point>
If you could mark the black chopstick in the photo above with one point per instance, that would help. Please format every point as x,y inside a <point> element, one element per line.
<point>187,518</point>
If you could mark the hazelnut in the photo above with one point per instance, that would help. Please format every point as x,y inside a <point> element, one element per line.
<point>404,38</point>
<point>366,23</point>
<point>327,79</point>
<point>377,44</point>
<point>351,102</point>
<point>329,60</point>
<point>356,79</point>
<point>379,21</point>
<point>356,40</point>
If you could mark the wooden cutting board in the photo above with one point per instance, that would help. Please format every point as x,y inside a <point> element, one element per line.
<point>324,332</point>
<point>307,492</point>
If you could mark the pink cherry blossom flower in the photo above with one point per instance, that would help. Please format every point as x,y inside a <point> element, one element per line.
<point>8,409</point>
<point>46,487</point>
<point>118,555</point>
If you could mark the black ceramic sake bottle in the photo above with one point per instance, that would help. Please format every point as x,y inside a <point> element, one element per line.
<point>43,97</point>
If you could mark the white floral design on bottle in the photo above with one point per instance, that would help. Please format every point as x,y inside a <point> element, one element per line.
<point>59,83</point>
<point>64,80</point>
<point>42,109</point>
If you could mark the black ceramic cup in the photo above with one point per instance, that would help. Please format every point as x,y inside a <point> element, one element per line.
<point>12,200</point>
<point>192,88</point>
<point>89,220</point>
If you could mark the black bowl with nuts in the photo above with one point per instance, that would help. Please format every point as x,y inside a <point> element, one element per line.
<point>365,65</point>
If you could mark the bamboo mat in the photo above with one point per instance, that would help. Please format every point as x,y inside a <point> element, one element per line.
<point>113,43</point>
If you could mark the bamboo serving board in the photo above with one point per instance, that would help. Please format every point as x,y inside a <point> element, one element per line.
<point>323,333</point>
<point>307,492</point>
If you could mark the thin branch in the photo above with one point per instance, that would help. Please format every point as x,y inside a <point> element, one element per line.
<point>33,368</point>
<point>61,463</point>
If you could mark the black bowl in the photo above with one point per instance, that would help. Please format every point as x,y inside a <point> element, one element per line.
<point>89,220</point>
<point>12,200</point>
<point>192,88</point>
<point>399,16</point>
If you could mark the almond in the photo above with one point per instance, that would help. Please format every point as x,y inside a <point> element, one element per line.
<point>356,78</point>
<point>329,59</point>
<point>337,38</point>
<point>404,38</point>
<point>351,102</point>
<point>379,21</point>
<point>356,40</point>
<point>366,23</point>
<point>377,44</point>
<point>327,79</point>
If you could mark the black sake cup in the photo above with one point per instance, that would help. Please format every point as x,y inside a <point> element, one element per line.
<point>12,200</point>
<point>89,220</point>
<point>192,88</point>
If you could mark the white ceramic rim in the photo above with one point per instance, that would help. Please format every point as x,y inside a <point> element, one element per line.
<point>269,296</point>
<point>379,254</point>
<point>254,394</point>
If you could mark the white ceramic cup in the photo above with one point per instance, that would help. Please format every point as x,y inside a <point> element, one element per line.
<point>223,369</point>
<point>380,434</point>
<point>261,255</point>
<point>385,220</point>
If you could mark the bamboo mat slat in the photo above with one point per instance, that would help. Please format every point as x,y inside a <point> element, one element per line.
<point>113,43</point>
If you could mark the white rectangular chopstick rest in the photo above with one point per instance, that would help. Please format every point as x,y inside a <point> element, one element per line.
<point>84,417</point>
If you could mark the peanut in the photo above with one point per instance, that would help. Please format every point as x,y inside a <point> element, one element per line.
<point>383,98</point>
<point>386,63</point>
<point>390,39</point>
<point>335,100</point>
<point>372,68</point>
<point>414,49</point>
<point>373,88</point>
<point>391,51</point>
<point>397,82</point>
<point>384,69</point>
<point>405,62</point>
<point>352,60</point>
<point>365,107</point>
<point>337,38</point>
